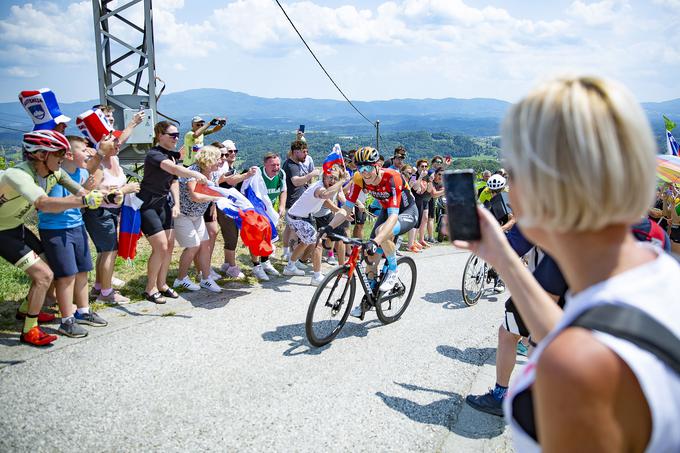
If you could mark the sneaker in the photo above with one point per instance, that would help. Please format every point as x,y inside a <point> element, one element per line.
<point>291,270</point>
<point>499,287</point>
<point>94,293</point>
<point>42,316</point>
<point>260,274</point>
<point>72,329</point>
<point>391,279</point>
<point>522,350</point>
<point>90,319</point>
<point>117,283</point>
<point>114,298</point>
<point>316,281</point>
<point>270,269</point>
<point>332,260</point>
<point>486,403</point>
<point>37,337</point>
<point>210,285</point>
<point>234,272</point>
<point>424,244</point>
<point>413,249</point>
<point>186,283</point>
<point>300,265</point>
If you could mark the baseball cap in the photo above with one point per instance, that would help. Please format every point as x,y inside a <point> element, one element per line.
<point>196,119</point>
<point>228,144</point>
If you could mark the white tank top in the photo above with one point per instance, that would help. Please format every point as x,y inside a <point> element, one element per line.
<point>654,288</point>
<point>109,180</point>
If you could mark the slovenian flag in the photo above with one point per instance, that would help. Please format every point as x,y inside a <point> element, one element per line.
<point>130,227</point>
<point>255,191</point>
<point>672,147</point>
<point>335,157</point>
<point>255,228</point>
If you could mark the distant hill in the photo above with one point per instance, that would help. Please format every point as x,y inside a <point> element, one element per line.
<point>473,117</point>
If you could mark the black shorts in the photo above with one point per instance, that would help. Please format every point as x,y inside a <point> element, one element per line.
<point>514,323</point>
<point>20,247</point>
<point>102,225</point>
<point>675,233</point>
<point>407,220</point>
<point>430,208</point>
<point>325,220</point>
<point>156,216</point>
<point>210,215</point>
<point>359,216</point>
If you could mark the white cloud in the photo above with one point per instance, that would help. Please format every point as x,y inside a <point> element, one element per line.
<point>18,71</point>
<point>599,13</point>
<point>672,4</point>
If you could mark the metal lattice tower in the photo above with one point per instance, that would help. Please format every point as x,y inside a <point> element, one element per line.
<point>126,66</point>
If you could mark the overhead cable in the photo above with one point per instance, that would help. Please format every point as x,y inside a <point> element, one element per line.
<point>322,67</point>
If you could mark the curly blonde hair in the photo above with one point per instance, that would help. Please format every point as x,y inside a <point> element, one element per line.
<point>208,156</point>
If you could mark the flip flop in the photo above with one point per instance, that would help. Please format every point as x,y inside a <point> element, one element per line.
<point>156,298</point>
<point>169,292</point>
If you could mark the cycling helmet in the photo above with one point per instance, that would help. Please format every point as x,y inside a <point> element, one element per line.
<point>45,140</point>
<point>366,156</point>
<point>496,182</point>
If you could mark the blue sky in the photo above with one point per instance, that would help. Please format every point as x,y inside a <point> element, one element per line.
<point>376,49</point>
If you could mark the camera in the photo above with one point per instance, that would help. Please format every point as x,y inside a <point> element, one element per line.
<point>222,122</point>
<point>214,122</point>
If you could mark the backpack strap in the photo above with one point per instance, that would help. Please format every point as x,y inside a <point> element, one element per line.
<point>634,325</point>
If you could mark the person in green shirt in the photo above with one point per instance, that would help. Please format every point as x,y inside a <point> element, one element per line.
<point>22,189</point>
<point>193,140</point>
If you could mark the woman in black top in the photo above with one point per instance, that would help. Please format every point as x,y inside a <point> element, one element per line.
<point>160,193</point>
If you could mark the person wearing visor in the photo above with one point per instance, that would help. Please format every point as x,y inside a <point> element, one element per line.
<point>398,215</point>
<point>193,140</point>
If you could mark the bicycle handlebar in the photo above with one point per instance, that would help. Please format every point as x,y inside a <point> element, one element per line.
<point>345,239</point>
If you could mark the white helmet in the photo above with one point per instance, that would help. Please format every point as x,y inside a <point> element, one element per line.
<point>496,182</point>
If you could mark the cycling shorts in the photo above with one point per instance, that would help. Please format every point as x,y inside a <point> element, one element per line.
<point>20,247</point>
<point>408,218</point>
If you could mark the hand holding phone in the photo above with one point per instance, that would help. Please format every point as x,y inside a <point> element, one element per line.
<point>301,129</point>
<point>461,205</point>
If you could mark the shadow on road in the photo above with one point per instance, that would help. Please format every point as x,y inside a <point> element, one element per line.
<point>296,336</point>
<point>473,356</point>
<point>445,412</point>
<point>450,299</point>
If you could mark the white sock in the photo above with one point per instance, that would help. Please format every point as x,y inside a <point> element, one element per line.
<point>106,292</point>
<point>317,274</point>
<point>83,310</point>
<point>286,250</point>
<point>67,320</point>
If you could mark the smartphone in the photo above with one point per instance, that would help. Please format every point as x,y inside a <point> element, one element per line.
<point>302,128</point>
<point>461,205</point>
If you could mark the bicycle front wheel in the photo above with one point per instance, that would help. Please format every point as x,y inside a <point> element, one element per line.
<point>474,276</point>
<point>330,307</point>
<point>393,304</point>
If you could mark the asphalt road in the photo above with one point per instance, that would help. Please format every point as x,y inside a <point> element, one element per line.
<point>235,372</point>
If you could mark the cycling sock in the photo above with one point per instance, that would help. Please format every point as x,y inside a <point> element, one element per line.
<point>83,311</point>
<point>499,392</point>
<point>30,322</point>
<point>392,262</point>
<point>23,308</point>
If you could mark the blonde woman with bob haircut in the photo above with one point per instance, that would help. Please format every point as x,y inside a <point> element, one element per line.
<point>190,227</point>
<point>581,156</point>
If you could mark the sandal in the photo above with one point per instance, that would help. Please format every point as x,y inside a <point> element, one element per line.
<point>169,292</point>
<point>156,298</point>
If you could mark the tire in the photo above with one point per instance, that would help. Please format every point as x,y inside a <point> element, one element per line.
<point>390,310</point>
<point>324,323</point>
<point>474,276</point>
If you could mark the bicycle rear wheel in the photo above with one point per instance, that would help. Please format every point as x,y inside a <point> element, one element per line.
<point>393,303</point>
<point>474,277</point>
<point>330,307</point>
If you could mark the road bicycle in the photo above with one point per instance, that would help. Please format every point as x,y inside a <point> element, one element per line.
<point>476,274</point>
<point>334,298</point>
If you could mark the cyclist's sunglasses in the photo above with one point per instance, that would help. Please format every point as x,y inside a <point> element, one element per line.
<point>365,168</point>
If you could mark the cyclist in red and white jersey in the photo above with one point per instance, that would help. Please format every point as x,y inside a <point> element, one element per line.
<point>398,215</point>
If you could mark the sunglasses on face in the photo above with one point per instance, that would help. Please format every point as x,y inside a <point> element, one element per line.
<point>437,162</point>
<point>174,135</point>
<point>366,168</point>
<point>232,151</point>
